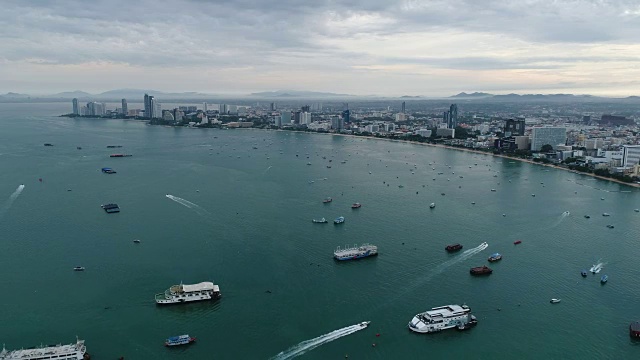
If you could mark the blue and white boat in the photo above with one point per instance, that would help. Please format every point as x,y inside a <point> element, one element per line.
<point>355,252</point>
<point>604,279</point>
<point>179,340</point>
<point>339,220</point>
<point>495,257</point>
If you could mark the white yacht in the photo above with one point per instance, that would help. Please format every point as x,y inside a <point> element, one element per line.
<point>440,318</point>
<point>432,205</point>
<point>187,293</point>
<point>75,351</point>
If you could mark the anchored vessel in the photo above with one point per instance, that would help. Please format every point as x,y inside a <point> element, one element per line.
<point>481,270</point>
<point>495,257</point>
<point>634,329</point>
<point>320,221</point>
<point>355,252</point>
<point>179,340</point>
<point>442,318</point>
<point>120,155</point>
<point>111,208</point>
<point>339,220</point>
<point>356,206</point>
<point>75,351</point>
<point>187,293</point>
<point>453,247</point>
<point>108,170</point>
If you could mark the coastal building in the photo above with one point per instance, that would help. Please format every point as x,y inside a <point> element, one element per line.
<point>285,118</point>
<point>401,117</point>
<point>156,109</point>
<point>76,110</point>
<point>346,115</point>
<point>553,136</point>
<point>630,155</point>
<point>423,132</point>
<point>167,115</point>
<point>514,127</point>
<point>522,142</point>
<point>452,120</point>
<point>95,109</point>
<point>124,109</point>
<point>305,118</point>
<point>337,123</point>
<point>148,105</point>
<point>223,108</point>
<point>446,132</point>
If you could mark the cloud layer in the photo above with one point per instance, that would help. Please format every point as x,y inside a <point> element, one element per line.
<point>363,47</point>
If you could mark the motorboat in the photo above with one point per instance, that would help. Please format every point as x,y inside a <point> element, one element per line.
<point>555,301</point>
<point>566,213</point>
<point>481,270</point>
<point>179,340</point>
<point>495,257</point>
<point>327,200</point>
<point>587,217</point>
<point>493,190</point>
<point>355,252</point>
<point>136,241</point>
<point>636,210</point>
<point>364,324</point>
<point>517,242</point>
<point>604,279</point>
<point>606,214</point>
<point>339,220</point>
<point>356,205</point>
<point>533,195</point>
<point>583,273</point>
<point>432,205</point>
<point>320,221</point>
<point>453,247</point>
<point>596,268</point>
<point>78,268</point>
<point>610,226</point>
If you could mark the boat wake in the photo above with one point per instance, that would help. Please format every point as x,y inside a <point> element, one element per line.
<point>462,257</point>
<point>188,204</point>
<point>267,170</point>
<point>597,267</point>
<point>12,198</point>
<point>309,345</point>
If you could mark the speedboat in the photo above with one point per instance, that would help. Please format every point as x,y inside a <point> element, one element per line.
<point>179,340</point>
<point>432,205</point>
<point>596,268</point>
<point>321,221</point>
<point>495,257</point>
<point>566,213</point>
<point>555,301</point>
<point>327,200</point>
<point>605,214</point>
<point>339,220</point>
<point>604,279</point>
<point>364,324</point>
<point>78,268</point>
<point>356,205</point>
<point>137,241</point>
<point>610,226</point>
<point>583,273</point>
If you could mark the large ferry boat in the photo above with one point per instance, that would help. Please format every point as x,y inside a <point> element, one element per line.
<point>76,351</point>
<point>187,293</point>
<point>355,252</point>
<point>441,318</point>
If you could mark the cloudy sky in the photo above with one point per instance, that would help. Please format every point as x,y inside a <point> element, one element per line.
<point>383,47</point>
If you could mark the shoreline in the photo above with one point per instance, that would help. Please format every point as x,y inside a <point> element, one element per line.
<point>491,154</point>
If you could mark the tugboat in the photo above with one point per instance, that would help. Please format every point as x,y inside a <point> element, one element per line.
<point>453,247</point>
<point>327,200</point>
<point>339,220</point>
<point>583,273</point>
<point>356,206</point>
<point>634,329</point>
<point>179,340</point>
<point>495,257</point>
<point>321,221</point>
<point>355,252</point>
<point>481,270</point>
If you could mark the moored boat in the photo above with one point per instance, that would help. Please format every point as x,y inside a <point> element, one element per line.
<point>453,247</point>
<point>587,217</point>
<point>338,220</point>
<point>327,200</point>
<point>78,268</point>
<point>606,214</point>
<point>110,208</point>
<point>495,257</point>
<point>583,273</point>
<point>320,221</point>
<point>555,301</point>
<point>480,270</point>
<point>610,226</point>
<point>604,279</point>
<point>177,294</point>
<point>432,205</point>
<point>634,329</point>
<point>179,340</point>
<point>108,170</point>
<point>355,252</point>
<point>120,155</point>
<point>356,205</point>
<point>517,242</point>
<point>442,318</point>
<point>77,351</point>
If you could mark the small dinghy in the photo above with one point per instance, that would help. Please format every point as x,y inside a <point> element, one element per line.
<point>555,301</point>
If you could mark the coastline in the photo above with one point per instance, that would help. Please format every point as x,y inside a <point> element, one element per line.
<point>494,155</point>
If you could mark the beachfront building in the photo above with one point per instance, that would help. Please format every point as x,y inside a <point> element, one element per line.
<point>553,136</point>
<point>630,155</point>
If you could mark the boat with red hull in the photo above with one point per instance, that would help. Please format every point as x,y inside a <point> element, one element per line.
<point>481,270</point>
<point>517,242</point>
<point>453,247</point>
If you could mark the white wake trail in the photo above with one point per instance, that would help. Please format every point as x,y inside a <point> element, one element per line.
<point>193,206</point>
<point>309,345</point>
<point>267,170</point>
<point>12,198</point>
<point>462,257</point>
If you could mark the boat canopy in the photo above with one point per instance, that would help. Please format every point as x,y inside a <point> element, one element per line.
<point>199,287</point>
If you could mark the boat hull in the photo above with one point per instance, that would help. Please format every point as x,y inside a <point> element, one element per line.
<point>354,257</point>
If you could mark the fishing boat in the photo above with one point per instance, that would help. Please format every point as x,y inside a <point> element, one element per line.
<point>77,351</point>
<point>441,318</point>
<point>178,294</point>
<point>179,340</point>
<point>604,279</point>
<point>517,242</point>
<point>495,257</point>
<point>583,273</point>
<point>78,268</point>
<point>555,301</point>
<point>338,220</point>
<point>480,270</point>
<point>320,221</point>
<point>453,247</point>
<point>355,252</point>
<point>327,200</point>
<point>356,206</point>
<point>432,205</point>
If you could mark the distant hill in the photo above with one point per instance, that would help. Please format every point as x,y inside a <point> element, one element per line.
<point>472,95</point>
<point>295,93</point>
<point>12,95</point>
<point>71,94</point>
<point>410,97</point>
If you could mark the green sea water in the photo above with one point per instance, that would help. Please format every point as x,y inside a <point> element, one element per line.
<point>243,220</point>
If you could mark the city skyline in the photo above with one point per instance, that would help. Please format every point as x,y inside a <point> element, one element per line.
<point>385,48</point>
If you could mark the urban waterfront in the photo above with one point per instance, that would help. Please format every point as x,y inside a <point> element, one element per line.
<point>249,229</point>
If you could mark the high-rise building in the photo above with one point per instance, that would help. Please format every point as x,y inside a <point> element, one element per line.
<point>147,105</point>
<point>553,136</point>
<point>204,106</point>
<point>404,107</point>
<point>223,108</point>
<point>630,155</point>
<point>125,109</point>
<point>514,127</point>
<point>296,117</point>
<point>285,118</point>
<point>95,108</point>
<point>76,110</point>
<point>306,108</point>
<point>305,118</point>
<point>337,123</point>
<point>157,109</point>
<point>346,116</point>
<point>453,117</point>
<point>445,118</point>
<point>273,106</point>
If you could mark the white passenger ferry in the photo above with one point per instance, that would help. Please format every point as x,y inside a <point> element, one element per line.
<point>355,252</point>
<point>75,351</point>
<point>441,318</point>
<point>186,293</point>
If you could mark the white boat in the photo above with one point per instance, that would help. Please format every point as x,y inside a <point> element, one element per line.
<point>188,293</point>
<point>605,214</point>
<point>76,351</point>
<point>364,324</point>
<point>596,268</point>
<point>432,205</point>
<point>566,213</point>
<point>320,221</point>
<point>440,318</point>
<point>355,252</point>
<point>555,301</point>
<point>78,268</point>
<point>636,210</point>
